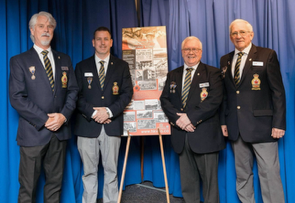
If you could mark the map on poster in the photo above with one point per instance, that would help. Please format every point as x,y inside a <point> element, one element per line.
<point>145,50</point>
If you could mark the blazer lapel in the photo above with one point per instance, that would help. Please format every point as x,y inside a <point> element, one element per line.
<point>248,63</point>
<point>93,68</point>
<point>179,82</point>
<point>40,70</point>
<point>58,73</point>
<point>198,74</point>
<point>111,69</point>
<point>229,68</point>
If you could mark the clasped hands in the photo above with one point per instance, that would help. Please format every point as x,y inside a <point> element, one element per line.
<point>184,122</point>
<point>55,121</point>
<point>101,115</point>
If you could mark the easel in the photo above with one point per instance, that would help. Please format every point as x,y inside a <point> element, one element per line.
<point>125,163</point>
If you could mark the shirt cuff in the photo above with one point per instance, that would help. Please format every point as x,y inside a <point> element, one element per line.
<point>109,112</point>
<point>93,113</point>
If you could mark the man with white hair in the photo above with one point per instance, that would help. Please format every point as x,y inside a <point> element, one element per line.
<point>43,90</point>
<point>254,113</point>
<point>190,99</point>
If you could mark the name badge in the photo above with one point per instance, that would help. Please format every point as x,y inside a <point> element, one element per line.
<point>257,63</point>
<point>205,84</point>
<point>88,75</point>
<point>64,68</point>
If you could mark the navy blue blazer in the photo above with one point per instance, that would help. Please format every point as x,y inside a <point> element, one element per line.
<point>250,109</point>
<point>33,98</point>
<point>116,95</point>
<point>203,114</point>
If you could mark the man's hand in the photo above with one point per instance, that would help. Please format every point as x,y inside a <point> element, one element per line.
<point>224,130</point>
<point>277,133</point>
<point>101,115</point>
<point>184,123</point>
<point>55,121</point>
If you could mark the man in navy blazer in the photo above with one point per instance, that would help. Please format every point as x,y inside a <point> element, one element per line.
<point>196,135</point>
<point>44,93</point>
<point>105,89</point>
<point>253,113</point>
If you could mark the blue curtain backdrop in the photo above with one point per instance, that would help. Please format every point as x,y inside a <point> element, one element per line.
<point>272,22</point>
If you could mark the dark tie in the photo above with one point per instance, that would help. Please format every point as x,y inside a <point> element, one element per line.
<point>101,74</point>
<point>48,68</point>
<point>237,77</point>
<point>186,86</point>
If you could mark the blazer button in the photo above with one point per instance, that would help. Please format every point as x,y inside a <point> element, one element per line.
<point>181,109</point>
<point>238,92</point>
<point>238,107</point>
<point>102,97</point>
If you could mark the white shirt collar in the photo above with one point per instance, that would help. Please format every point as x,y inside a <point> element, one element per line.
<point>106,60</point>
<point>39,50</point>
<point>194,67</point>
<point>245,51</point>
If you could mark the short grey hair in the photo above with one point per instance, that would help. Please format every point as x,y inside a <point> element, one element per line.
<point>191,38</point>
<point>34,18</point>
<point>249,26</point>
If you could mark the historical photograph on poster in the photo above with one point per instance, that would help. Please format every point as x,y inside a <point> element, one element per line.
<point>146,124</point>
<point>147,85</point>
<point>129,57</point>
<point>139,75</point>
<point>131,126</point>
<point>152,104</point>
<point>145,50</point>
<point>145,114</point>
<point>138,105</point>
<point>160,117</point>
<point>129,116</point>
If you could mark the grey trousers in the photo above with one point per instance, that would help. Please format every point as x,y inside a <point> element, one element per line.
<point>89,149</point>
<point>193,167</point>
<point>268,171</point>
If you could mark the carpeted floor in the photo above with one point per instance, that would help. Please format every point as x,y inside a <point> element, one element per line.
<point>146,193</point>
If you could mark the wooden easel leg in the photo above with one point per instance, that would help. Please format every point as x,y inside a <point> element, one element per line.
<point>124,167</point>
<point>164,166</point>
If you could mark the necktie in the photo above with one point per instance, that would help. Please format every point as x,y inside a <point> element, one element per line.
<point>186,86</point>
<point>48,68</point>
<point>237,77</point>
<point>101,74</point>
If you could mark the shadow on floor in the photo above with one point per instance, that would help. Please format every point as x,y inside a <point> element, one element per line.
<point>146,193</point>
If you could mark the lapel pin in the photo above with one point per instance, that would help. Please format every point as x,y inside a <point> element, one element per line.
<point>250,59</point>
<point>58,57</point>
<point>198,74</point>
<point>111,63</point>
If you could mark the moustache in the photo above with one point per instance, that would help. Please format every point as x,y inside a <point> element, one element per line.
<point>46,35</point>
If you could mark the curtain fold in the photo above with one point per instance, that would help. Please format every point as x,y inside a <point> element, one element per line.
<point>273,24</point>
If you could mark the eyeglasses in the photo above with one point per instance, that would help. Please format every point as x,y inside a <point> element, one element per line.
<point>194,50</point>
<point>241,32</point>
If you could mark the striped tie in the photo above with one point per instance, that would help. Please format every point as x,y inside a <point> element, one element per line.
<point>237,77</point>
<point>101,74</point>
<point>186,86</point>
<point>48,68</point>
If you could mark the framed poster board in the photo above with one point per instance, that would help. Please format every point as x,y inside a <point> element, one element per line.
<point>145,50</point>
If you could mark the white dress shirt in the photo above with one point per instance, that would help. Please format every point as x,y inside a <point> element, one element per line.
<point>49,55</point>
<point>243,60</point>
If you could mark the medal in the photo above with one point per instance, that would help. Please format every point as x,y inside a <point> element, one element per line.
<point>204,94</point>
<point>172,87</point>
<point>64,80</point>
<point>115,89</point>
<point>255,82</point>
<point>32,70</point>
<point>89,80</point>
